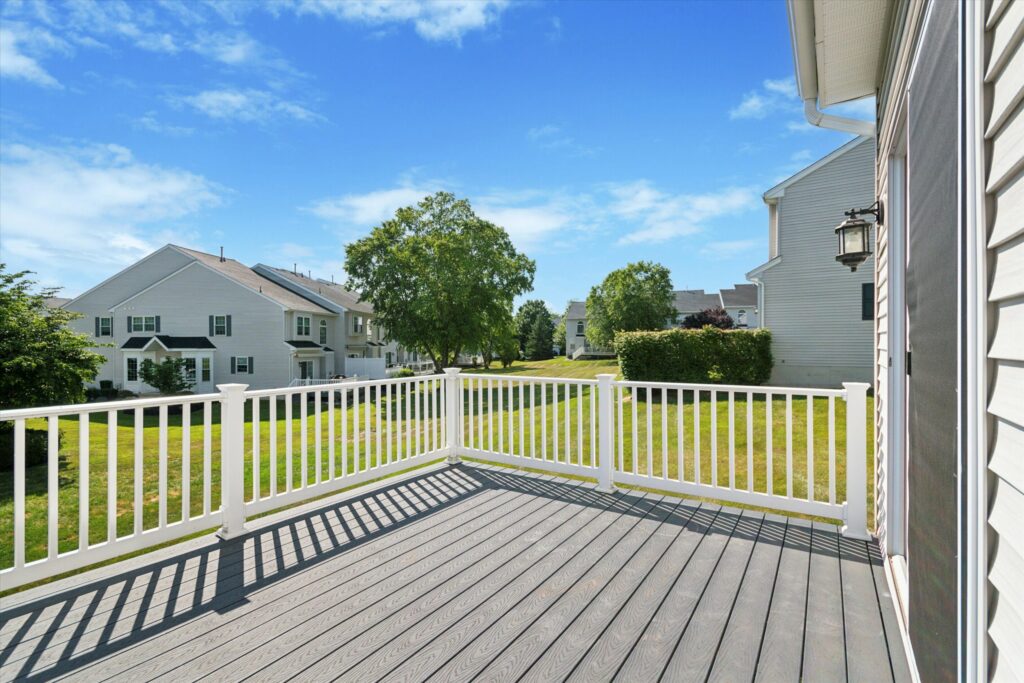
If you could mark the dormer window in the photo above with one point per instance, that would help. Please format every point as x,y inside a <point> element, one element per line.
<point>302,326</point>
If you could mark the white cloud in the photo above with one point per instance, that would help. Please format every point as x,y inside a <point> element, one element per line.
<point>554,219</point>
<point>663,216</point>
<point>150,122</point>
<point>370,209</point>
<point>727,249</point>
<point>16,64</point>
<point>436,20</point>
<point>248,106</point>
<point>73,213</point>
<point>775,95</point>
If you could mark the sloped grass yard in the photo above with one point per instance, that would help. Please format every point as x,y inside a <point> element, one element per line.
<point>663,436</point>
<point>665,446</point>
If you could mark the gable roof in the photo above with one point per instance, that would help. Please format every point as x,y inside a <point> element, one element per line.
<point>780,189</point>
<point>247,277</point>
<point>740,295</point>
<point>694,300</point>
<point>576,310</point>
<point>169,343</point>
<point>330,291</point>
<point>55,301</point>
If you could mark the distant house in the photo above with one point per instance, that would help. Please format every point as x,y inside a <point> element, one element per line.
<point>821,316</point>
<point>690,301</point>
<point>576,344</point>
<point>55,301</point>
<point>357,332</point>
<point>228,322</point>
<point>740,303</point>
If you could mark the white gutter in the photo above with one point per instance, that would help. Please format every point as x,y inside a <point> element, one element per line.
<point>801,29</point>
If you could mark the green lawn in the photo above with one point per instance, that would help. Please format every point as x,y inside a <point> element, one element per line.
<point>664,442</point>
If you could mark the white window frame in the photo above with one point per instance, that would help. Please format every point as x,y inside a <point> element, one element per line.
<point>128,368</point>
<point>109,322</point>
<point>323,332</point>
<point>580,328</point>
<point>205,369</point>
<point>220,322</point>
<point>143,323</point>
<point>240,363</point>
<point>358,324</point>
<point>192,373</point>
<point>302,325</point>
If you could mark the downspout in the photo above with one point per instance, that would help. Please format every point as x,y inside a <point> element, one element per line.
<point>801,28</point>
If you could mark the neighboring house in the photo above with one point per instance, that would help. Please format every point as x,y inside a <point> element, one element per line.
<point>229,323</point>
<point>820,315</point>
<point>55,301</point>
<point>358,337</point>
<point>740,303</point>
<point>690,301</point>
<point>948,78</point>
<point>576,344</point>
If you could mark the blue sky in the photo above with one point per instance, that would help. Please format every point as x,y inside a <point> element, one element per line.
<point>595,133</point>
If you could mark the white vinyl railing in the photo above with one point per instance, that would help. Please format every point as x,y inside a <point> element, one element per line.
<point>148,471</point>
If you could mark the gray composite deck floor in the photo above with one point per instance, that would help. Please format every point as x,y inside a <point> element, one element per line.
<point>476,572</point>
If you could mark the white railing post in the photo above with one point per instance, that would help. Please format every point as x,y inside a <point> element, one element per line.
<point>856,513</point>
<point>452,412</point>
<point>605,458</point>
<point>232,460</point>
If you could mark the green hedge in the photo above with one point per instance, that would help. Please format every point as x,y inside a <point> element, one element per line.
<point>702,356</point>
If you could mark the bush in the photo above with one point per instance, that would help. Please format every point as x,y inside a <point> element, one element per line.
<point>402,372</point>
<point>716,317</point>
<point>36,447</point>
<point>709,355</point>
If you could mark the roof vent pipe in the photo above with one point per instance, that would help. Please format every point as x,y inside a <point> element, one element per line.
<point>295,269</point>
<point>222,254</point>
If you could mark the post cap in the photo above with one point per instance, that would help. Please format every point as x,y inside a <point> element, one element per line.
<point>606,377</point>
<point>232,388</point>
<point>451,372</point>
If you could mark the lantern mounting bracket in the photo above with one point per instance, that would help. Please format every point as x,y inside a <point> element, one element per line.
<point>876,210</point>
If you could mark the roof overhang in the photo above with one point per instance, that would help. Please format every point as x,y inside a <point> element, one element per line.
<point>838,50</point>
<point>756,272</point>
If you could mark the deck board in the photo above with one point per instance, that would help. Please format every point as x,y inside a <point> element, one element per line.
<point>475,572</point>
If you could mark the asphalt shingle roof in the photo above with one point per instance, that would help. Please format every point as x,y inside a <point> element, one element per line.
<point>694,300</point>
<point>328,290</point>
<point>740,295</point>
<point>171,343</point>
<point>247,277</point>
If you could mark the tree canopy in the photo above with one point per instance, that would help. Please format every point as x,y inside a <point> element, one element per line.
<point>525,318</point>
<point>637,297</point>
<point>42,360</point>
<point>541,338</point>
<point>439,277</point>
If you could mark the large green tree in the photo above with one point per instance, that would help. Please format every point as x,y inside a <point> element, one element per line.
<point>541,338</point>
<point>440,278</point>
<point>637,297</point>
<point>525,318</point>
<point>42,360</point>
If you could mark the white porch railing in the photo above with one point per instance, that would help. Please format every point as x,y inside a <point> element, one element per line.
<point>308,382</point>
<point>170,467</point>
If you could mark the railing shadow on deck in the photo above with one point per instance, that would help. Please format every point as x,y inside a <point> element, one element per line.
<point>107,616</point>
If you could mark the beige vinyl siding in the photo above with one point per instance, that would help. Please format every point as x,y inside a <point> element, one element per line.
<point>812,304</point>
<point>1004,134</point>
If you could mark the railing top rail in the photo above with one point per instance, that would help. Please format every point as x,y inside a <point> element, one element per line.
<point>739,388</point>
<point>531,378</point>
<point>103,406</point>
<point>340,384</point>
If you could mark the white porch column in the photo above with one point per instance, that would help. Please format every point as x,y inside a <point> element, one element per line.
<point>232,460</point>
<point>856,509</point>
<point>453,412</point>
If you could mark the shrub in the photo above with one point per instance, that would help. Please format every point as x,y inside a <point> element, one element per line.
<point>402,372</point>
<point>36,448</point>
<point>167,377</point>
<point>716,317</point>
<point>708,355</point>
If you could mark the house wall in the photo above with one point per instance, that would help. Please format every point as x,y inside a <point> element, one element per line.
<point>1003,120</point>
<point>752,316</point>
<point>184,303</point>
<point>97,301</point>
<point>812,304</point>
<point>574,341</point>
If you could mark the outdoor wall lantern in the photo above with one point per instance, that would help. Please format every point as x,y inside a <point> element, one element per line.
<point>855,236</point>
